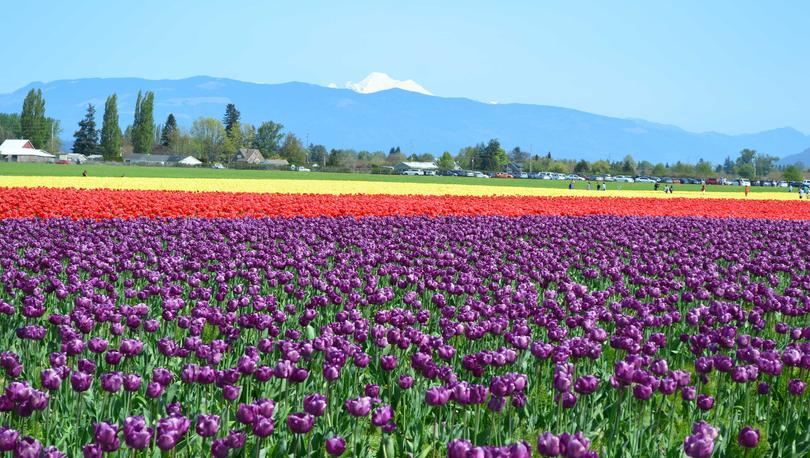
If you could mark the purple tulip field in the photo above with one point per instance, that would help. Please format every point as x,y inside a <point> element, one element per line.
<point>459,337</point>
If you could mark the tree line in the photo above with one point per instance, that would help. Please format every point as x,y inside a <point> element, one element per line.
<point>215,140</point>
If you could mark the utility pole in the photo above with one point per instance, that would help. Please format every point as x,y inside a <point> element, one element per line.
<point>53,124</point>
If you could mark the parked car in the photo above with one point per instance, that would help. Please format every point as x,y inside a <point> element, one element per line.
<point>576,177</point>
<point>522,175</point>
<point>712,181</point>
<point>217,166</point>
<point>503,175</point>
<point>430,173</point>
<point>782,184</point>
<point>480,175</point>
<point>623,179</point>
<point>743,182</point>
<point>412,172</point>
<point>644,180</point>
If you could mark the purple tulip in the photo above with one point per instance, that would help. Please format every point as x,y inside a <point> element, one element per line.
<point>300,422</point>
<point>80,381</point>
<point>28,447</point>
<point>382,415</point>
<point>335,446</point>
<point>50,379</point>
<point>136,434</point>
<point>8,439</point>
<point>106,436</point>
<point>796,387</point>
<point>548,444</point>
<point>359,407</point>
<point>207,425</point>
<point>246,413</point>
<point>111,382</point>
<point>263,426</point>
<point>92,451</point>
<point>749,437</point>
<point>315,404</point>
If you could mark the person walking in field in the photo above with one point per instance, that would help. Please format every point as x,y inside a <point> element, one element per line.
<point>84,173</point>
<point>703,187</point>
<point>589,186</point>
<point>571,185</point>
<point>801,193</point>
<point>747,188</point>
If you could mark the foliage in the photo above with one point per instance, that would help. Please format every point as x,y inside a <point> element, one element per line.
<point>10,126</point>
<point>792,173</point>
<point>209,133</point>
<point>169,133</point>
<point>33,123</point>
<point>317,154</point>
<point>111,137</point>
<point>293,150</point>
<point>446,161</point>
<point>86,138</point>
<point>143,126</point>
<point>268,138</point>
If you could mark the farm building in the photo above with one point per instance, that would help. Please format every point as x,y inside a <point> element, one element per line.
<point>413,165</point>
<point>160,159</point>
<point>249,155</point>
<point>275,162</point>
<point>21,150</point>
<point>190,161</point>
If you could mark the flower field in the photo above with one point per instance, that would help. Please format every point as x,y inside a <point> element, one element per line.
<point>147,322</point>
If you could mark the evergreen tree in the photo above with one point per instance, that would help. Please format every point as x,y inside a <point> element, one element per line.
<point>169,132</point>
<point>86,138</point>
<point>33,124</point>
<point>231,119</point>
<point>494,157</point>
<point>110,132</point>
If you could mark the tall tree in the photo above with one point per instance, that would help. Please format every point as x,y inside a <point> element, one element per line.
<point>210,136</point>
<point>494,157</point>
<point>9,126</point>
<point>792,173</point>
<point>248,135</point>
<point>86,138</point>
<point>629,165</point>
<point>168,134</point>
<point>231,119</point>
<point>143,127</point>
<point>446,161</point>
<point>293,150</point>
<point>268,138</point>
<point>518,156</point>
<point>110,132</point>
<point>33,124</point>
<point>582,167</point>
<point>317,154</point>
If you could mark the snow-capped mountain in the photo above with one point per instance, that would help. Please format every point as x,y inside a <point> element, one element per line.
<point>343,118</point>
<point>378,81</point>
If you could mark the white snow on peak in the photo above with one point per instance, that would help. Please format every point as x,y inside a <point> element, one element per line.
<point>378,81</point>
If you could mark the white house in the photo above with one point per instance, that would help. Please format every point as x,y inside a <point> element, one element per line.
<point>413,165</point>
<point>21,150</point>
<point>189,161</point>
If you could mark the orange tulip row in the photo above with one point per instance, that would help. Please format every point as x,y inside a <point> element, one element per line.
<point>106,203</point>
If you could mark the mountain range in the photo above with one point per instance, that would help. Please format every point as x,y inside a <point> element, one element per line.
<point>377,114</point>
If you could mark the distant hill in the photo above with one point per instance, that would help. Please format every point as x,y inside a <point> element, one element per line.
<point>342,118</point>
<point>800,158</point>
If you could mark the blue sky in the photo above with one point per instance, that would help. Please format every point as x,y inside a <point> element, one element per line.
<point>728,66</point>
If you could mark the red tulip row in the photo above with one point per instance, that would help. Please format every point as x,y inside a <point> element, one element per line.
<point>104,203</point>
